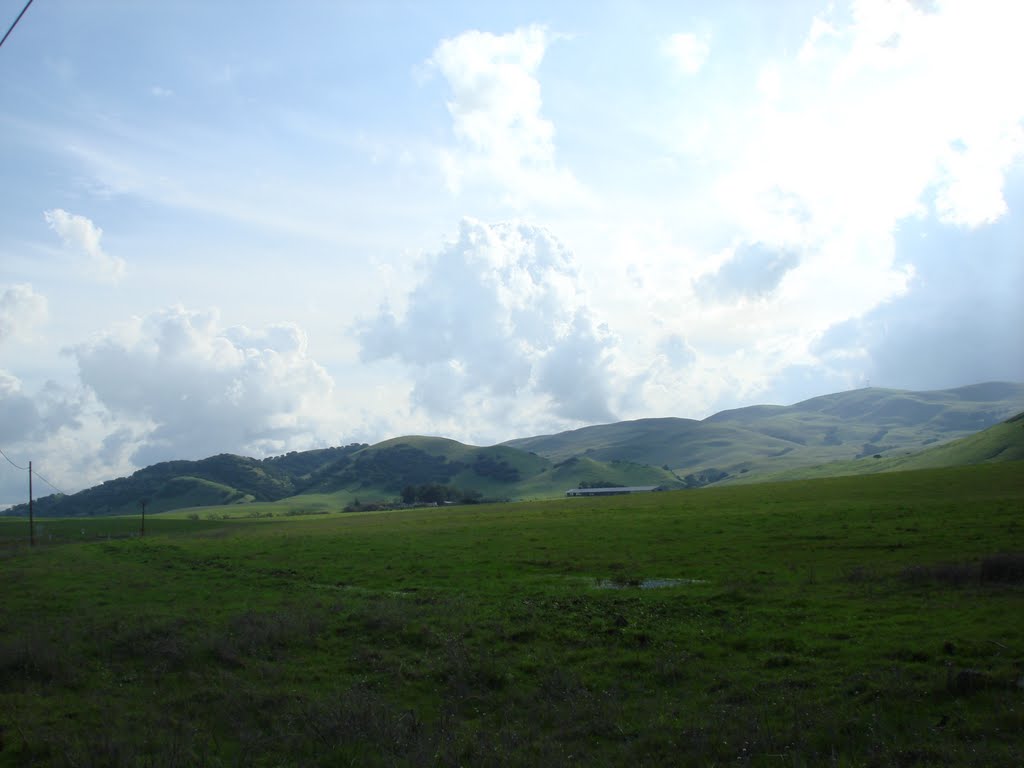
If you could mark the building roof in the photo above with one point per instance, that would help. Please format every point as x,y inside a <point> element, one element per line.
<point>610,491</point>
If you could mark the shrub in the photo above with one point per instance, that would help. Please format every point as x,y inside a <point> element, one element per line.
<point>1006,568</point>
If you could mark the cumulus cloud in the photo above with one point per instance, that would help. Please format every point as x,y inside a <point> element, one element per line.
<point>198,388</point>
<point>752,272</point>
<point>575,372</point>
<point>893,115</point>
<point>498,315</point>
<point>80,235</point>
<point>33,425</point>
<point>21,310</point>
<point>688,51</point>
<point>495,107</point>
<point>18,415</point>
<point>961,321</point>
<point>880,121</point>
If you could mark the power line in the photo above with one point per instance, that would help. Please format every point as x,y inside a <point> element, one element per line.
<point>16,22</point>
<point>23,469</point>
<point>34,472</point>
<point>58,490</point>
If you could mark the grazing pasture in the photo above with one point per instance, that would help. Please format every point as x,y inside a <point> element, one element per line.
<point>873,620</point>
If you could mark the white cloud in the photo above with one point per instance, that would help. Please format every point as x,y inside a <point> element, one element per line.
<point>688,51</point>
<point>498,322</point>
<point>970,190</point>
<point>769,82</point>
<point>33,426</point>
<point>193,388</point>
<point>575,373</point>
<point>175,385</point>
<point>21,310</point>
<point>891,113</point>
<point>916,101</point>
<point>18,414</point>
<point>79,234</point>
<point>961,316</point>
<point>495,107</point>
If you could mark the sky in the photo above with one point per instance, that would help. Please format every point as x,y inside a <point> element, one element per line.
<point>256,227</point>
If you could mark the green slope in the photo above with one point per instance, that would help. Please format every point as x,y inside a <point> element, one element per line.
<point>765,440</point>
<point>1003,442</point>
<point>381,471</point>
<point>221,479</point>
<point>187,491</point>
<point>1000,443</point>
<point>577,471</point>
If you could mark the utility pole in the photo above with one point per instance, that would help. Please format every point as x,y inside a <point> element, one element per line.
<point>142,532</point>
<point>31,521</point>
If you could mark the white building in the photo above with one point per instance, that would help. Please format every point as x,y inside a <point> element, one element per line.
<point>610,491</point>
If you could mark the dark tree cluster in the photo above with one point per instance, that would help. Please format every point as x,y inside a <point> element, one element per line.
<point>495,468</point>
<point>435,493</point>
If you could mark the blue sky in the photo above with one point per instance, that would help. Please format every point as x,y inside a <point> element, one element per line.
<point>259,227</point>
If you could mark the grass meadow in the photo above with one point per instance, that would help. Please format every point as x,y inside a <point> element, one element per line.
<point>862,621</point>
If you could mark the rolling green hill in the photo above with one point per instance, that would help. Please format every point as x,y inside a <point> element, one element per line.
<point>1003,442</point>
<point>862,431</point>
<point>763,440</point>
<point>382,471</point>
<point>221,479</point>
<point>371,474</point>
<point>999,443</point>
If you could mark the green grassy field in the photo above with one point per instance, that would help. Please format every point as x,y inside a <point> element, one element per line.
<point>847,621</point>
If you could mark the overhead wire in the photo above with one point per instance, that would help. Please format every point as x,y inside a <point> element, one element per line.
<point>11,29</point>
<point>34,472</point>
<point>58,490</point>
<point>23,469</point>
<point>18,466</point>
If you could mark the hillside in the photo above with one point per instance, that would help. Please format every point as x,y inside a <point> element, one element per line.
<point>999,443</point>
<point>221,479</point>
<point>762,440</point>
<point>1003,442</point>
<point>372,474</point>
<point>383,470</point>
<point>862,431</point>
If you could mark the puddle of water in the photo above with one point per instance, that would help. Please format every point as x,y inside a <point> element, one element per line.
<point>645,583</point>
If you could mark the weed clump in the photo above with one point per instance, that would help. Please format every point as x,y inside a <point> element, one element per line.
<point>949,574</point>
<point>265,635</point>
<point>1005,568</point>
<point>964,682</point>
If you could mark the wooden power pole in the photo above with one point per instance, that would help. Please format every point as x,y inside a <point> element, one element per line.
<point>31,521</point>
